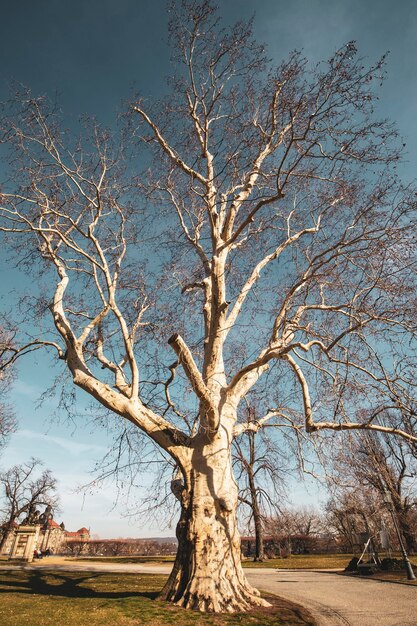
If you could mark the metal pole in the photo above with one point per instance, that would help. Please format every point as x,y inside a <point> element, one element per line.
<point>407,565</point>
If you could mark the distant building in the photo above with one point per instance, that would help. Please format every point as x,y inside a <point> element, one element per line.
<point>83,534</point>
<point>76,542</point>
<point>52,536</point>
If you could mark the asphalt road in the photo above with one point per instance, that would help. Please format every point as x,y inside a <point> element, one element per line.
<point>333,600</point>
<point>337,600</point>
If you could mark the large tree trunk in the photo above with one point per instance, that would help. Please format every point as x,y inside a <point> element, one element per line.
<point>3,538</point>
<point>8,527</point>
<point>257,519</point>
<point>207,574</point>
<point>259,538</point>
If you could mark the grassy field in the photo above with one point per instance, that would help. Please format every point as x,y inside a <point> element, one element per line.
<point>48,598</point>
<point>297,561</point>
<point>124,559</point>
<point>304,561</point>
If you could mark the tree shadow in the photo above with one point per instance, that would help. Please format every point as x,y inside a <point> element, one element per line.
<point>41,582</point>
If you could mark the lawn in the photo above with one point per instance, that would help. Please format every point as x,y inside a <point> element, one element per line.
<point>296,561</point>
<point>47,598</point>
<point>124,559</point>
<point>304,561</point>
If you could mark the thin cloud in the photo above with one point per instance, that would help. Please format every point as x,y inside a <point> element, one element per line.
<point>27,389</point>
<point>75,448</point>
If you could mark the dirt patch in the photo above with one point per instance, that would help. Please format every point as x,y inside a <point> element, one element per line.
<point>286,612</point>
<point>392,577</point>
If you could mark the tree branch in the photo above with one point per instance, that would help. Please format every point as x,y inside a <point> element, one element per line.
<point>193,374</point>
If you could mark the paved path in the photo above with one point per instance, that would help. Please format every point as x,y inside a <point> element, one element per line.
<point>333,600</point>
<point>338,600</point>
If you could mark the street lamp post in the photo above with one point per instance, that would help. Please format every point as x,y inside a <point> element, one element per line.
<point>390,505</point>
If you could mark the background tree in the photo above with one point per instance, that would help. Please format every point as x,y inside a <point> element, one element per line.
<point>75,547</point>
<point>276,243</point>
<point>24,490</point>
<point>295,529</point>
<point>261,470</point>
<point>7,416</point>
<point>375,464</point>
<point>353,516</point>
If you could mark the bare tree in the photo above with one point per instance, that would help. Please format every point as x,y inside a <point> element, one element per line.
<point>295,529</point>
<point>276,243</point>
<point>354,516</point>
<point>375,464</point>
<point>75,547</point>
<point>261,471</point>
<point>23,491</point>
<point>7,416</point>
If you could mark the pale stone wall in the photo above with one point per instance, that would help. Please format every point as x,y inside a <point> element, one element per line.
<point>25,541</point>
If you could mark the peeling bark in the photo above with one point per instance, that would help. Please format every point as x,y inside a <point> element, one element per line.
<point>207,573</point>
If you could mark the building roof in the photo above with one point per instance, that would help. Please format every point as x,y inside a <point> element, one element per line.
<point>79,534</point>
<point>52,524</point>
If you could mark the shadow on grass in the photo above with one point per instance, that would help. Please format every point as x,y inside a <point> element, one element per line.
<point>67,586</point>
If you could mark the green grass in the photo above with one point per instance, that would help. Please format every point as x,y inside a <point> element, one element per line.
<point>47,598</point>
<point>304,561</point>
<point>124,559</point>
<point>297,561</point>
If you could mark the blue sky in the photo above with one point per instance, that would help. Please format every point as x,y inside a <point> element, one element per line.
<point>93,54</point>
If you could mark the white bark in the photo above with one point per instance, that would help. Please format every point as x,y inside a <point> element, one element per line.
<point>207,574</point>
